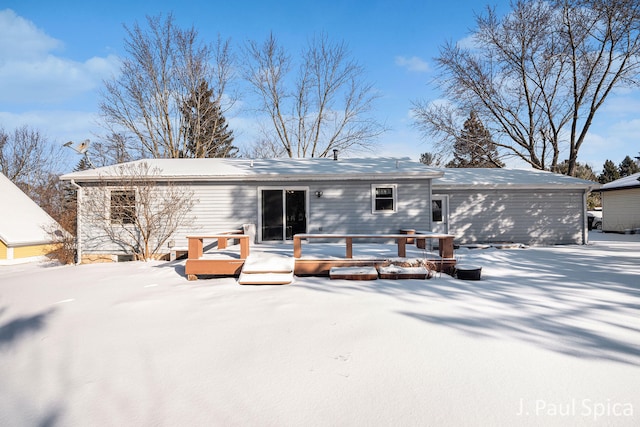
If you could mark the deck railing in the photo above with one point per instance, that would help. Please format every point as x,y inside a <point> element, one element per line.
<point>445,245</point>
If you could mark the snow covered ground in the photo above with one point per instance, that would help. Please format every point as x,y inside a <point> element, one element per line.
<point>550,336</point>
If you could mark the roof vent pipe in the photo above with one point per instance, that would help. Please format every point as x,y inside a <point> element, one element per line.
<point>335,154</point>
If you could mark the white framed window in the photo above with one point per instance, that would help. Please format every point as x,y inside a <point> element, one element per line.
<point>384,198</point>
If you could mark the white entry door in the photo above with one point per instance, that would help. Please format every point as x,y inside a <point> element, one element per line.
<point>440,213</point>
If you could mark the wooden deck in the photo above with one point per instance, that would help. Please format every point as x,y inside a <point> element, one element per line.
<point>230,263</point>
<point>198,265</point>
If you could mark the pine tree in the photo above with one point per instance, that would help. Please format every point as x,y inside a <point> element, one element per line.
<point>582,171</point>
<point>628,167</point>
<point>609,173</point>
<point>429,159</point>
<point>474,147</point>
<point>207,130</point>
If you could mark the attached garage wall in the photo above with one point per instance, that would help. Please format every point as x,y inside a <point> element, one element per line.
<point>3,250</point>
<point>520,216</point>
<point>621,210</point>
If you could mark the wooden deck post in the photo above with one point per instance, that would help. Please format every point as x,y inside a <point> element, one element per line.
<point>402,247</point>
<point>297,249</point>
<point>446,247</point>
<point>244,247</point>
<point>349,253</point>
<point>222,243</point>
<point>195,248</point>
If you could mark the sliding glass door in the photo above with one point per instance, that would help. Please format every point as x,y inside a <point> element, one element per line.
<point>283,213</point>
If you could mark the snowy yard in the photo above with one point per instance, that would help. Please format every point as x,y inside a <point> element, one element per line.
<point>550,336</point>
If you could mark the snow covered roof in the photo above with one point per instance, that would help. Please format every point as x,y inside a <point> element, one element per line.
<point>337,170</point>
<point>270,169</point>
<point>631,181</point>
<point>22,221</point>
<point>506,178</point>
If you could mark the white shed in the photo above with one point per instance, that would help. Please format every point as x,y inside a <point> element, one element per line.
<point>621,204</point>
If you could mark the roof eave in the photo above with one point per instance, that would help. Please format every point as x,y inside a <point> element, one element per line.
<point>437,186</point>
<point>627,187</point>
<point>266,177</point>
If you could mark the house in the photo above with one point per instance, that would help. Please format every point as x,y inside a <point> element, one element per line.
<point>280,197</point>
<point>25,229</point>
<point>284,197</point>
<point>621,204</point>
<point>526,206</point>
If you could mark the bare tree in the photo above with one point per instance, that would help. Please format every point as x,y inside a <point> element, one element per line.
<point>537,76</point>
<point>325,106</point>
<point>264,149</point>
<point>164,67</point>
<point>136,211</point>
<point>28,159</point>
<point>115,148</point>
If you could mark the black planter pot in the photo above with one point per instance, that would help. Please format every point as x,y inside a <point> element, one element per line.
<point>468,272</point>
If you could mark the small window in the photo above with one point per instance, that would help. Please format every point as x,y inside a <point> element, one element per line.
<point>436,210</point>
<point>384,198</point>
<point>123,207</point>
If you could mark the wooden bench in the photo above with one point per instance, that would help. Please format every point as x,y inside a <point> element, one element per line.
<point>445,242</point>
<point>196,265</point>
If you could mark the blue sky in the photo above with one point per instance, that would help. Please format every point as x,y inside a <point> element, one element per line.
<point>55,54</point>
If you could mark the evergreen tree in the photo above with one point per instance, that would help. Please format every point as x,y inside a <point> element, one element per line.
<point>474,147</point>
<point>82,165</point>
<point>609,173</point>
<point>206,129</point>
<point>429,159</point>
<point>628,167</point>
<point>582,171</point>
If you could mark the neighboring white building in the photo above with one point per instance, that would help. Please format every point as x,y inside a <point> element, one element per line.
<point>25,229</point>
<point>283,197</point>
<point>621,204</point>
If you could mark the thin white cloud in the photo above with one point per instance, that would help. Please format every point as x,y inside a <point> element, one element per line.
<point>469,42</point>
<point>21,39</point>
<point>30,71</point>
<point>414,64</point>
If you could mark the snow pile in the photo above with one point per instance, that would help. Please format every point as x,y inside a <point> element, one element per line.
<point>549,336</point>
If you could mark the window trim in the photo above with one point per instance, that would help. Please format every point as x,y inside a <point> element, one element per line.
<point>374,198</point>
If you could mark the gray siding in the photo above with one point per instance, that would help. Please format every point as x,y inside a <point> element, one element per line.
<point>521,216</point>
<point>345,207</point>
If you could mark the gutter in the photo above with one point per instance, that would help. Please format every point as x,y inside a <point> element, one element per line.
<point>272,177</point>
<point>78,221</point>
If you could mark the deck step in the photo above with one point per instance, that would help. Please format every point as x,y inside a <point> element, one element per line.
<point>267,269</point>
<point>268,263</point>
<point>354,273</point>
<point>265,278</point>
<point>395,272</point>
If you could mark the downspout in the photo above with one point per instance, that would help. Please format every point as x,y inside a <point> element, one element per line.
<point>585,227</point>
<point>78,222</point>
<point>585,220</point>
